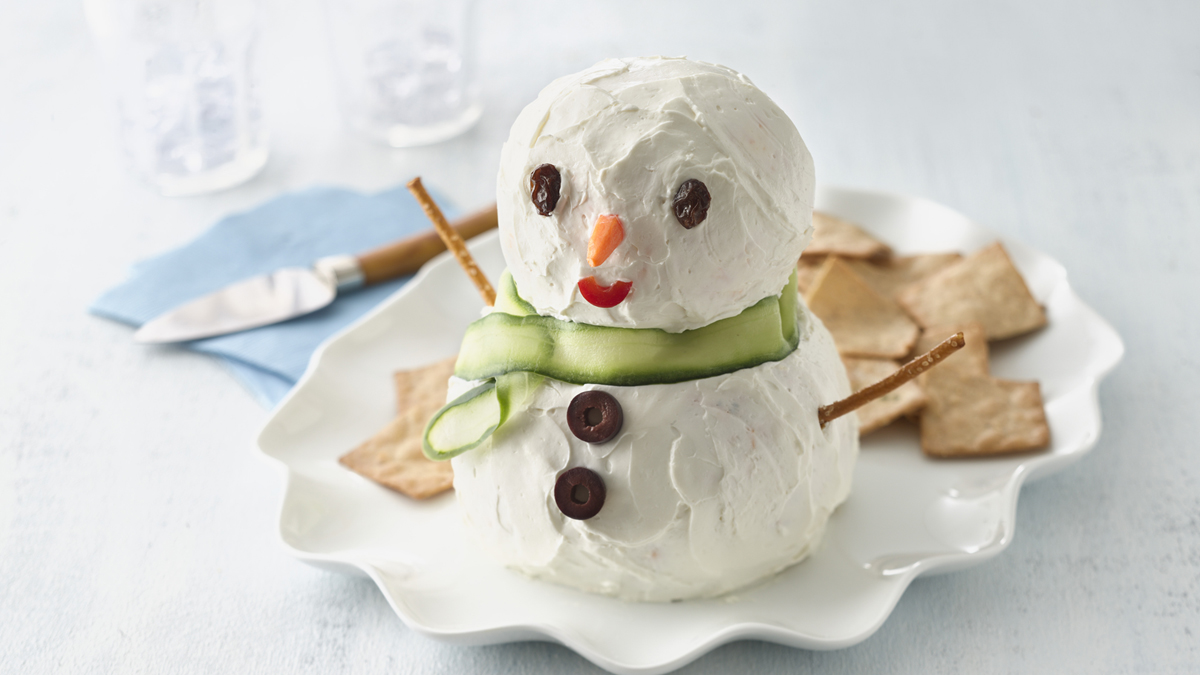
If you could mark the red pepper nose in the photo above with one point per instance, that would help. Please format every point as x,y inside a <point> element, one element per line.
<point>607,235</point>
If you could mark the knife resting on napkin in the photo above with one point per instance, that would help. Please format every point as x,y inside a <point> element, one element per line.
<point>290,230</point>
<point>290,292</point>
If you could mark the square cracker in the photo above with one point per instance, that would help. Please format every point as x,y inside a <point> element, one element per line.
<point>834,236</point>
<point>393,457</point>
<point>970,413</point>
<point>863,323</point>
<point>889,276</point>
<point>412,385</point>
<point>806,272</point>
<point>884,410</point>
<point>984,287</point>
<point>983,416</point>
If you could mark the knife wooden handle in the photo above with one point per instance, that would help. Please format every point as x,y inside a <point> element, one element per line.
<point>407,255</point>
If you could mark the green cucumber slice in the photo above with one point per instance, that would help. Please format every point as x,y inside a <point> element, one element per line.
<point>504,342</point>
<point>508,301</point>
<point>463,423</point>
<point>470,419</point>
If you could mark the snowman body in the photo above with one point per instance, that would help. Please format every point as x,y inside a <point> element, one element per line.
<point>712,483</point>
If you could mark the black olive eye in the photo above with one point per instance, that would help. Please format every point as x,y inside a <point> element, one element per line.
<point>691,203</point>
<point>544,185</point>
<point>579,493</point>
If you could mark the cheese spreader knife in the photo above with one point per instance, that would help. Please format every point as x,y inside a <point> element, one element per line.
<point>295,291</point>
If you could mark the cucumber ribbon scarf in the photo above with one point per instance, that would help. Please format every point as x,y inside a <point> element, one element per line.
<point>513,350</point>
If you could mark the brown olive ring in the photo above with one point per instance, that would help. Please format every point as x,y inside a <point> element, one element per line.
<point>579,493</point>
<point>595,416</point>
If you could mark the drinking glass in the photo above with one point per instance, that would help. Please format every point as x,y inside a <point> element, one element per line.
<point>182,74</point>
<point>405,70</point>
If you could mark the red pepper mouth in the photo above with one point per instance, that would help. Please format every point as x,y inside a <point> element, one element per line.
<point>604,296</point>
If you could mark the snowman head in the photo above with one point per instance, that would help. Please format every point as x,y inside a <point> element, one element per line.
<point>653,193</point>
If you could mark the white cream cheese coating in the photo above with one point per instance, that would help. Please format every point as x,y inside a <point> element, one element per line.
<point>711,484</point>
<point>624,135</point>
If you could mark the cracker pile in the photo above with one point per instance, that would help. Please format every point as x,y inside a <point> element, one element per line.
<point>881,309</point>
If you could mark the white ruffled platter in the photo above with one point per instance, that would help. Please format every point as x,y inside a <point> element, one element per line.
<point>907,515</point>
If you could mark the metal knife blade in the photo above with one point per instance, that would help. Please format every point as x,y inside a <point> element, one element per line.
<point>254,302</point>
<point>295,291</point>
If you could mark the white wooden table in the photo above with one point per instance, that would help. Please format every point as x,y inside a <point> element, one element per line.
<point>137,520</point>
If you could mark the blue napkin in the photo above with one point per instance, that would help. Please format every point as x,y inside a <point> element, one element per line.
<point>291,230</point>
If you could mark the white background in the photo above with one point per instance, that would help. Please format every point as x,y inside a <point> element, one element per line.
<point>137,520</point>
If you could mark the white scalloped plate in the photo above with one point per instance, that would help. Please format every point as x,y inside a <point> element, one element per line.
<point>907,515</point>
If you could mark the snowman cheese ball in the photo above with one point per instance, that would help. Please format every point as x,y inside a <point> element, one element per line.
<point>637,416</point>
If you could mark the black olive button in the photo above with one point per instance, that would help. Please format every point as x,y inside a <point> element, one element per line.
<point>594,416</point>
<point>579,493</point>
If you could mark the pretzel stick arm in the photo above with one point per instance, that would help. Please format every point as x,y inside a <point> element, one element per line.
<point>453,241</point>
<point>406,256</point>
<point>828,413</point>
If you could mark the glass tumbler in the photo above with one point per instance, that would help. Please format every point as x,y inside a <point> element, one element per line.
<point>189,117</point>
<point>405,70</point>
